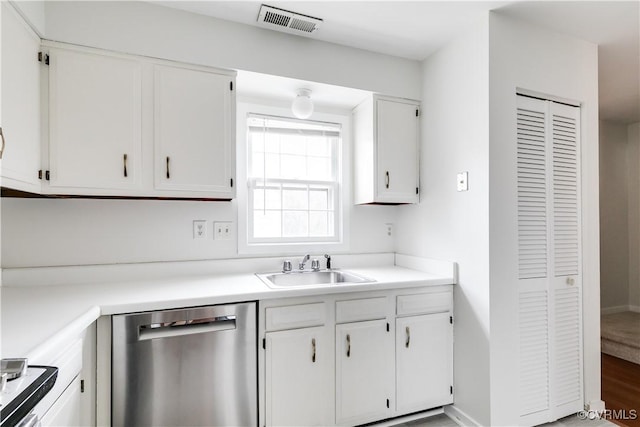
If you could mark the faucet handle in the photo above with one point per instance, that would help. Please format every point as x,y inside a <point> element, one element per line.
<point>315,264</point>
<point>328,257</point>
<point>286,266</point>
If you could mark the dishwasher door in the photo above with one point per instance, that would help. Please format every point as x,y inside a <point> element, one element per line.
<point>186,367</point>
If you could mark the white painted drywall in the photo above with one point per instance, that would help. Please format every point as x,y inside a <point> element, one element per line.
<point>148,29</point>
<point>553,64</point>
<point>451,225</point>
<point>615,240</point>
<point>37,232</point>
<point>633,147</point>
<point>33,12</point>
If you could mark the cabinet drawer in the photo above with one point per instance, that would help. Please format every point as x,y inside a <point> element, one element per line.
<point>361,309</point>
<point>295,316</point>
<point>423,303</point>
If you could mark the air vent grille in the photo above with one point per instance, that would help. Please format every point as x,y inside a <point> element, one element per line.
<point>287,21</point>
<point>276,19</point>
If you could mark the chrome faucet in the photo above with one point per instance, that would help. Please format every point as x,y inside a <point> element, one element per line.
<point>303,262</point>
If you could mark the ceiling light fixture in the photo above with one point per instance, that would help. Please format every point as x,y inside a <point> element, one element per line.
<point>302,105</point>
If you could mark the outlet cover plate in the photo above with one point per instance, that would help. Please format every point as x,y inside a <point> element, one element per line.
<point>463,181</point>
<point>222,230</point>
<point>199,229</point>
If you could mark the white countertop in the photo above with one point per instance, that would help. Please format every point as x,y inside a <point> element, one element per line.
<point>36,318</point>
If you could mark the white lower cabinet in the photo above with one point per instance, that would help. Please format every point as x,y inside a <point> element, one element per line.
<point>299,372</point>
<point>424,368</point>
<point>364,372</point>
<point>66,410</point>
<point>355,358</point>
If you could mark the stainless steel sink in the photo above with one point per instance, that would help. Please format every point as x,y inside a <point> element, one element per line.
<point>309,278</point>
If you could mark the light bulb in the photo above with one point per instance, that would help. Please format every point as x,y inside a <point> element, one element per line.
<point>302,105</point>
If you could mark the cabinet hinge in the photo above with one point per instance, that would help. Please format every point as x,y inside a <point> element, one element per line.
<point>81,386</point>
<point>451,319</point>
<point>231,182</point>
<point>417,112</point>
<point>43,57</point>
<point>388,403</point>
<point>451,389</point>
<point>387,326</point>
<point>231,85</point>
<point>264,343</point>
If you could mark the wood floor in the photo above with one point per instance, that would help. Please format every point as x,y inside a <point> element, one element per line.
<point>621,388</point>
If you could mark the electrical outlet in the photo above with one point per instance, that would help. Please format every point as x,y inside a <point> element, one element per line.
<point>389,228</point>
<point>199,229</point>
<point>463,181</point>
<point>222,230</point>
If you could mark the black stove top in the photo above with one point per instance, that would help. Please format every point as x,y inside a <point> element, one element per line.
<point>23,394</point>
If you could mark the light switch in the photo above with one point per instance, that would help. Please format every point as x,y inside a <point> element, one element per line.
<point>463,181</point>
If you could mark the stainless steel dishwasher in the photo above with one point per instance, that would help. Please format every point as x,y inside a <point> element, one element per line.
<point>186,367</point>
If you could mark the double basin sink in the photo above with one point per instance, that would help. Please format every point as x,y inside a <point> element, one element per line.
<point>311,278</point>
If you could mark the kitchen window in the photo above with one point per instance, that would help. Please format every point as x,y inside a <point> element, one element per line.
<point>293,180</point>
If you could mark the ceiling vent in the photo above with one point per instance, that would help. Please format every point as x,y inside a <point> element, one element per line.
<point>287,21</point>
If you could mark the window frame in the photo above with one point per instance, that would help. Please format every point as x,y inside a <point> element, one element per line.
<point>276,246</point>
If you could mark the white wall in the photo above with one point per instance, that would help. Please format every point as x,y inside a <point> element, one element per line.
<point>633,146</point>
<point>451,225</point>
<point>554,64</point>
<point>33,12</point>
<point>148,29</point>
<point>37,232</point>
<point>615,220</point>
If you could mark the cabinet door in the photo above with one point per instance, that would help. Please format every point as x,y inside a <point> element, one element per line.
<point>21,102</point>
<point>424,369</point>
<point>66,410</point>
<point>299,378</point>
<point>95,122</point>
<point>194,131</point>
<point>364,372</point>
<point>397,151</point>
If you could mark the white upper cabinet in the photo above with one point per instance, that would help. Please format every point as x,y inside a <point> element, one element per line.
<point>20,103</point>
<point>386,148</point>
<point>129,126</point>
<point>95,142</point>
<point>193,118</point>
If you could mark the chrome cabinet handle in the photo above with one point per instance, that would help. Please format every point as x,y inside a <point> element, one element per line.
<point>387,180</point>
<point>3,143</point>
<point>313,346</point>
<point>168,173</point>
<point>348,345</point>
<point>124,163</point>
<point>406,344</point>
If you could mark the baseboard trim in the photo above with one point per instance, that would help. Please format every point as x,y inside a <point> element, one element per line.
<point>595,405</point>
<point>617,309</point>
<point>634,308</point>
<point>460,417</point>
<point>408,418</point>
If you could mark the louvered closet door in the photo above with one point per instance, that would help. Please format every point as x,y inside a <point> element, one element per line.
<point>549,280</point>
